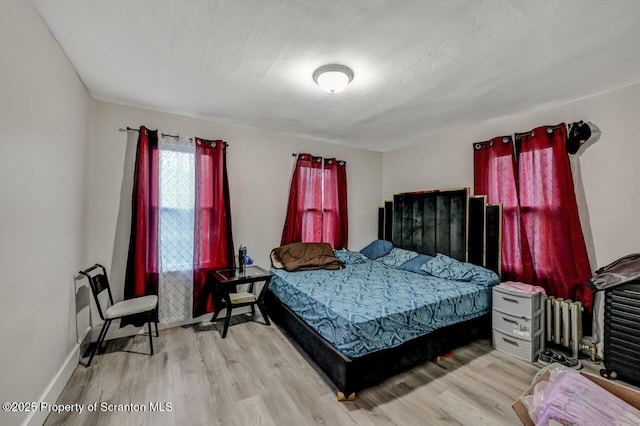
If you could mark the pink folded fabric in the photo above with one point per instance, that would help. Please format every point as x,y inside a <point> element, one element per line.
<point>525,287</point>
<point>571,399</point>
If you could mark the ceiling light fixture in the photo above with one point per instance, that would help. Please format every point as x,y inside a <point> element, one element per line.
<point>333,78</point>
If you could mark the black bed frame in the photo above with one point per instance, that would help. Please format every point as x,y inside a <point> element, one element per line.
<point>354,374</point>
<point>417,227</point>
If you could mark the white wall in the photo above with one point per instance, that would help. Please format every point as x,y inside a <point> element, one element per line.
<point>610,201</point>
<point>44,126</point>
<point>58,215</point>
<point>259,165</point>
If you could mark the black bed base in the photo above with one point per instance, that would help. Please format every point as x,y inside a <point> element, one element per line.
<point>352,375</point>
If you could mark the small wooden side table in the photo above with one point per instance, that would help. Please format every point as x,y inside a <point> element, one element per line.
<point>225,294</point>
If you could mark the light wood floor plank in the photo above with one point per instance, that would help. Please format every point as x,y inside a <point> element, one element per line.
<point>256,376</point>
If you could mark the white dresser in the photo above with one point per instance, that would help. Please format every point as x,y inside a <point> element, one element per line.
<point>518,322</point>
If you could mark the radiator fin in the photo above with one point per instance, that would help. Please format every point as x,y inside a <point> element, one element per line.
<point>564,323</point>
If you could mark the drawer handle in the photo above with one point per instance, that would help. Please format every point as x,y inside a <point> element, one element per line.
<point>510,341</point>
<point>510,320</point>
<point>506,299</point>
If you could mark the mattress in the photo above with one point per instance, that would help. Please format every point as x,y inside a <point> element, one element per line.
<point>371,306</point>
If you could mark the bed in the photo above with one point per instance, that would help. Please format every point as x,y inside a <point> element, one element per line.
<point>371,320</point>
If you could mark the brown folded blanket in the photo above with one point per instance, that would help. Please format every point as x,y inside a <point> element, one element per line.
<point>304,257</point>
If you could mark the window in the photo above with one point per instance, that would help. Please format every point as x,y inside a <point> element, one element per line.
<point>317,210</point>
<point>180,187</point>
<point>542,235</point>
<point>311,181</point>
<point>177,195</point>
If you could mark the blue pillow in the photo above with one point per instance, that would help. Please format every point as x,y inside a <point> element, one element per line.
<point>377,249</point>
<point>446,267</point>
<point>397,257</point>
<point>414,265</point>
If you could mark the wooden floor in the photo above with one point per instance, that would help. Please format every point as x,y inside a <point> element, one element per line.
<point>256,376</point>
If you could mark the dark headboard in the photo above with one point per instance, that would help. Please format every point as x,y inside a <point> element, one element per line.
<point>449,222</point>
<point>477,229</point>
<point>432,222</point>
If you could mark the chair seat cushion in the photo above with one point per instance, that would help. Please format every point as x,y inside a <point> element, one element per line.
<point>132,306</point>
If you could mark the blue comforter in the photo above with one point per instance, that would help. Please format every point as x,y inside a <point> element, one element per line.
<point>369,306</point>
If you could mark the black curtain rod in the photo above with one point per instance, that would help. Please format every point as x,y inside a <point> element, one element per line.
<point>294,154</point>
<point>550,129</point>
<point>166,135</point>
<point>126,129</point>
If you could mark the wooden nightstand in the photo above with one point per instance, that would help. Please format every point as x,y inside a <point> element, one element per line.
<point>225,294</point>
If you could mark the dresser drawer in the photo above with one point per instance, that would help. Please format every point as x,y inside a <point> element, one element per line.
<point>527,350</point>
<point>516,303</point>
<point>523,328</point>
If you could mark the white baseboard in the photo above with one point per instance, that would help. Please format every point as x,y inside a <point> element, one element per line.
<point>56,385</point>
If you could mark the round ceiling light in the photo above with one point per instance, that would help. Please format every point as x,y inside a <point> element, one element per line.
<point>333,78</point>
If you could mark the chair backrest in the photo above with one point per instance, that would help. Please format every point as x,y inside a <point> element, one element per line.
<point>97,276</point>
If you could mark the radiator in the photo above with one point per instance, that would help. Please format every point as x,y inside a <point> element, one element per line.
<point>564,323</point>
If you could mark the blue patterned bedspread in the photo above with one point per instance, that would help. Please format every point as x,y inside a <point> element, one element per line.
<point>369,306</point>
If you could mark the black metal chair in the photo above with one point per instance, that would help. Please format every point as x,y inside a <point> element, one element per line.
<point>140,305</point>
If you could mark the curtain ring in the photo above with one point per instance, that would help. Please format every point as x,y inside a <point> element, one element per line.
<point>477,146</point>
<point>329,161</point>
<point>341,163</point>
<point>214,144</point>
<point>505,139</point>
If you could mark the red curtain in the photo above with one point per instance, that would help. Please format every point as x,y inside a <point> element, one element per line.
<point>304,211</point>
<point>317,209</point>
<point>542,240</point>
<point>335,219</point>
<point>213,241</point>
<point>550,214</point>
<point>495,177</point>
<point>141,277</point>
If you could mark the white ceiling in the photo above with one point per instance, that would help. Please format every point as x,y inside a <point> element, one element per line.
<point>421,67</point>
